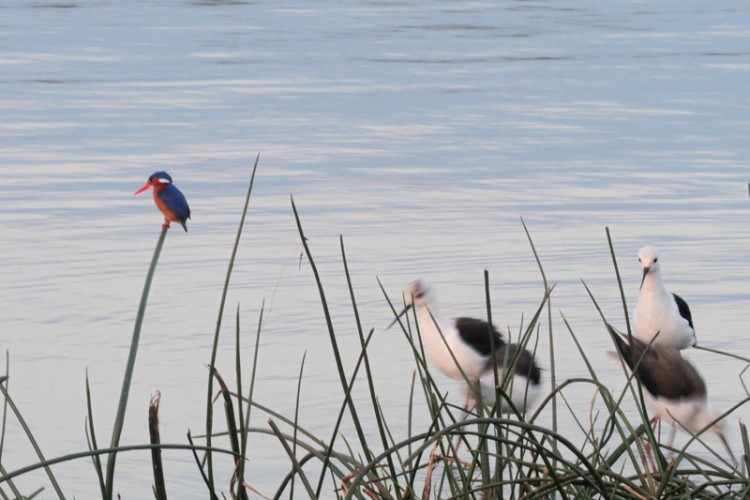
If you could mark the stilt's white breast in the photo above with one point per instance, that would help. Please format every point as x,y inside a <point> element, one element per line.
<point>471,361</point>
<point>656,310</point>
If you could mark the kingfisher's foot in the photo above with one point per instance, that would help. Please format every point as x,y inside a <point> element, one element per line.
<point>165,224</point>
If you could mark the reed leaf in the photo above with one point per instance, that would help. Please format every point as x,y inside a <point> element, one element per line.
<point>215,346</point>
<point>331,333</point>
<point>547,291</point>
<point>346,403</point>
<point>246,425</point>
<point>368,372</point>
<point>296,417</point>
<point>91,434</point>
<point>193,449</point>
<point>160,488</point>
<point>32,441</point>
<point>293,459</point>
<point>106,451</point>
<point>16,492</point>
<point>4,381</point>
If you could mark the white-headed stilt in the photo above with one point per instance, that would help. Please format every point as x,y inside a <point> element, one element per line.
<point>469,341</point>
<point>659,311</point>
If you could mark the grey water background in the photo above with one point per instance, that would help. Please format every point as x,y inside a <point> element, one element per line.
<point>421,132</point>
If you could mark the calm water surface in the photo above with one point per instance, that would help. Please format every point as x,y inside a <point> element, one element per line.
<point>422,133</point>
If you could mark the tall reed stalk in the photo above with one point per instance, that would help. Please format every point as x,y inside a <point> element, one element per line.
<point>215,346</point>
<point>129,367</point>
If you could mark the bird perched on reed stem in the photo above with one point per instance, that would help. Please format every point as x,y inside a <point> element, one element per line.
<point>169,200</point>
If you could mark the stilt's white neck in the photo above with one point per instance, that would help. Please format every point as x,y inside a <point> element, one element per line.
<point>426,317</point>
<point>653,282</point>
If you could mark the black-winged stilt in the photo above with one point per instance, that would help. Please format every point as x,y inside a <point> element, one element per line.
<point>659,311</point>
<point>469,341</point>
<point>674,389</point>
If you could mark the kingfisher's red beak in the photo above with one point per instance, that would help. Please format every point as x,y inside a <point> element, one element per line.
<point>143,188</point>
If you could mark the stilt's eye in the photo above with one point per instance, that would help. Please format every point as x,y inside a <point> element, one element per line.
<point>656,260</point>
<point>639,259</point>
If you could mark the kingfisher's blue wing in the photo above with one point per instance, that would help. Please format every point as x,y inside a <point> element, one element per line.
<point>176,202</point>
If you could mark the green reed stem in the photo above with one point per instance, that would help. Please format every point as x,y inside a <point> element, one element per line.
<point>619,281</point>
<point>105,451</point>
<point>5,404</point>
<point>291,475</point>
<point>215,347</point>
<point>4,381</point>
<point>211,493</point>
<point>331,333</point>
<point>244,440</point>
<point>129,367</point>
<point>649,431</point>
<point>237,439</point>
<point>296,414</point>
<point>33,442</point>
<point>160,486</point>
<point>16,492</point>
<point>238,374</point>
<point>368,371</point>
<point>745,448</point>
<point>723,353</point>
<point>500,465</point>
<point>551,338</point>
<point>347,402</point>
<point>585,471</point>
<point>635,390</point>
<point>92,438</point>
<point>295,462</point>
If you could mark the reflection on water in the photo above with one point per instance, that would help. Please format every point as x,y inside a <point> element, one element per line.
<point>419,132</point>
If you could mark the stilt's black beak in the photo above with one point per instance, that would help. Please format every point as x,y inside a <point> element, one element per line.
<point>645,272</point>
<point>729,450</point>
<point>399,315</point>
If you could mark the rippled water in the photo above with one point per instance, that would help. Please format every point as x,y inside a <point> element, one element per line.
<point>419,132</point>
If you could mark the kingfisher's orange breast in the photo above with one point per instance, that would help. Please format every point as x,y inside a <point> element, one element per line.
<point>168,214</point>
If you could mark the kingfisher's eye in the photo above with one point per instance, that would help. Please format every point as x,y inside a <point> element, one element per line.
<point>656,260</point>
<point>639,259</point>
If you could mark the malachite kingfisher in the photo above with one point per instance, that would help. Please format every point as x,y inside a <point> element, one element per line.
<point>168,199</point>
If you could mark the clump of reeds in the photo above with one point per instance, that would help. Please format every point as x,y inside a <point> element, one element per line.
<point>482,453</point>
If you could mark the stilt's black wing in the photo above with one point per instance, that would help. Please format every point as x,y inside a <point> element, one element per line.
<point>525,365</point>
<point>684,310</point>
<point>663,371</point>
<point>475,332</point>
